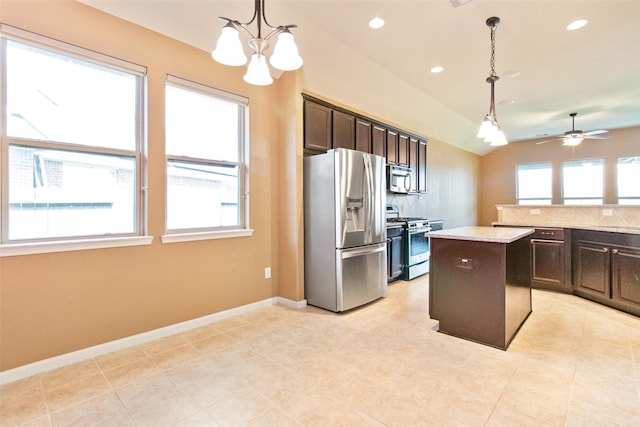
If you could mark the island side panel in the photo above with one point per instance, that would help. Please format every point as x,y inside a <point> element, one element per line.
<point>467,289</point>
<point>518,286</point>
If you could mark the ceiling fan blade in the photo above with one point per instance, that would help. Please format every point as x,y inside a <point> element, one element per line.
<point>597,137</point>
<point>547,140</point>
<point>458,3</point>
<point>595,132</point>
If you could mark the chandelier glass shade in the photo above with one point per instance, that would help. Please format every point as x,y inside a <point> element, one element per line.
<point>490,130</point>
<point>229,50</point>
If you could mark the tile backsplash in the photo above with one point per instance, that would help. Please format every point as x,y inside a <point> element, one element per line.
<point>563,215</point>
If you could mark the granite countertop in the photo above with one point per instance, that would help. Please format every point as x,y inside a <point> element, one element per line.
<point>607,228</point>
<point>483,234</point>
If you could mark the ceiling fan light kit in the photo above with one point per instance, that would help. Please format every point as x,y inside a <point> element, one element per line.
<point>229,49</point>
<point>490,130</point>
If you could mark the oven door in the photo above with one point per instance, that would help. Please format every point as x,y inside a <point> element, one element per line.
<point>418,245</point>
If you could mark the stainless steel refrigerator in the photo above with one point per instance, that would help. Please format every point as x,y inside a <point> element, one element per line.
<point>345,229</point>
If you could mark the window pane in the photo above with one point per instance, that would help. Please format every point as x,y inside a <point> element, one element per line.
<point>202,195</point>
<point>201,126</point>
<point>534,183</point>
<point>628,180</point>
<point>583,181</point>
<point>57,193</point>
<point>59,98</point>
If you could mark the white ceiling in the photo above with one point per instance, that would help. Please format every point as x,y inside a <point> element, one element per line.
<point>594,71</point>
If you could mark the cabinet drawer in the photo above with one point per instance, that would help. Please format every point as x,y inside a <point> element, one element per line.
<point>548,234</point>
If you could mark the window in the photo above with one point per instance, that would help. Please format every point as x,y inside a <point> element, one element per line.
<point>583,182</point>
<point>533,184</point>
<point>205,148</point>
<point>71,143</point>
<point>628,179</point>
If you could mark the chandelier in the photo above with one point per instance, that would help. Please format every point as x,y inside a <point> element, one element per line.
<point>229,49</point>
<point>490,129</point>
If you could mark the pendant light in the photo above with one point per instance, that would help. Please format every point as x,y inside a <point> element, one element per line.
<point>490,129</point>
<point>229,49</point>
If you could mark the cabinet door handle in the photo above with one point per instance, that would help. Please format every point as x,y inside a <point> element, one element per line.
<point>605,250</point>
<point>615,251</point>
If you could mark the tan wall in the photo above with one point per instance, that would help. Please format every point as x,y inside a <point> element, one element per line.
<point>499,167</point>
<point>60,302</point>
<point>453,181</point>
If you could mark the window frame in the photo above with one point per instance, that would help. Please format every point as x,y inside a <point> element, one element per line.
<point>79,242</point>
<point>530,166</point>
<point>635,199</point>
<point>601,198</point>
<point>205,233</point>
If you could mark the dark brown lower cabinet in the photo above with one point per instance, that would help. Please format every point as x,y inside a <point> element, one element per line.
<point>607,269</point>
<point>547,261</point>
<point>592,271</point>
<point>625,278</point>
<point>395,254</point>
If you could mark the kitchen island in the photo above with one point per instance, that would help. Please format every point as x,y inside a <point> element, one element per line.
<point>479,282</point>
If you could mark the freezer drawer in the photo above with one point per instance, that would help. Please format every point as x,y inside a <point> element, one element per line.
<point>361,275</point>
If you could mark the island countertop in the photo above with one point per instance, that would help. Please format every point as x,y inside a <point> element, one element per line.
<point>483,234</point>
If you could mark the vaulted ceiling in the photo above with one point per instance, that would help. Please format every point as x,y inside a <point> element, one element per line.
<point>547,72</point>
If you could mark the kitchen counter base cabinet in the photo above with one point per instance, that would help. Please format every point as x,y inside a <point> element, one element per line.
<point>551,259</point>
<point>395,255</point>
<point>480,291</point>
<point>607,269</point>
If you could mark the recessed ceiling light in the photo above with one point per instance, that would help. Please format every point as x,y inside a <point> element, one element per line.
<point>437,69</point>
<point>577,24</point>
<point>376,23</point>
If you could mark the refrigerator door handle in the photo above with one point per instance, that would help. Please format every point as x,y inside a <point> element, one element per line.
<point>369,198</point>
<point>363,251</point>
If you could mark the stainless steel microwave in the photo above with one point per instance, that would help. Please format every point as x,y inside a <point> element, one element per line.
<point>399,179</point>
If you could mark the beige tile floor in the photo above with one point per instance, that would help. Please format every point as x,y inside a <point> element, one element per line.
<point>574,363</point>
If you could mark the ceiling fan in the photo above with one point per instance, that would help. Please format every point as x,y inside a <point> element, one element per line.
<point>574,137</point>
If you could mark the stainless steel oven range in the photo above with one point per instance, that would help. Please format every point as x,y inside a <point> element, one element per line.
<point>416,242</point>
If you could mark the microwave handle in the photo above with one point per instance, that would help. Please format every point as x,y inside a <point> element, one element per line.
<point>407,177</point>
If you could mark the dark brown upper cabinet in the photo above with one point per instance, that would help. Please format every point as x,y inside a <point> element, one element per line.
<point>317,126</point>
<point>392,146</point>
<point>422,166</point>
<point>327,126</point>
<point>403,150</point>
<point>344,133</point>
<point>413,162</point>
<point>363,135</point>
<point>379,141</point>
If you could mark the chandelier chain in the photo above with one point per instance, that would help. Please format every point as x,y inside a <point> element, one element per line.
<point>492,61</point>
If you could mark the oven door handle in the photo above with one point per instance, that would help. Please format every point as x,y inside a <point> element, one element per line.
<point>420,230</point>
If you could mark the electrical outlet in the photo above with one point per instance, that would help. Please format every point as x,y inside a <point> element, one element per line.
<point>607,212</point>
<point>267,272</point>
<point>534,211</point>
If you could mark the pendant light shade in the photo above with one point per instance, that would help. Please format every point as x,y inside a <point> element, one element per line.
<point>258,71</point>
<point>229,48</point>
<point>486,128</point>
<point>285,53</point>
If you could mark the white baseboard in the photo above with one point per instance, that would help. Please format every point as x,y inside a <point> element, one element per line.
<point>111,346</point>
<point>291,303</point>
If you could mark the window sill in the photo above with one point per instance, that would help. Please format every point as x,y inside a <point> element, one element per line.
<point>15,249</point>
<point>209,235</point>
